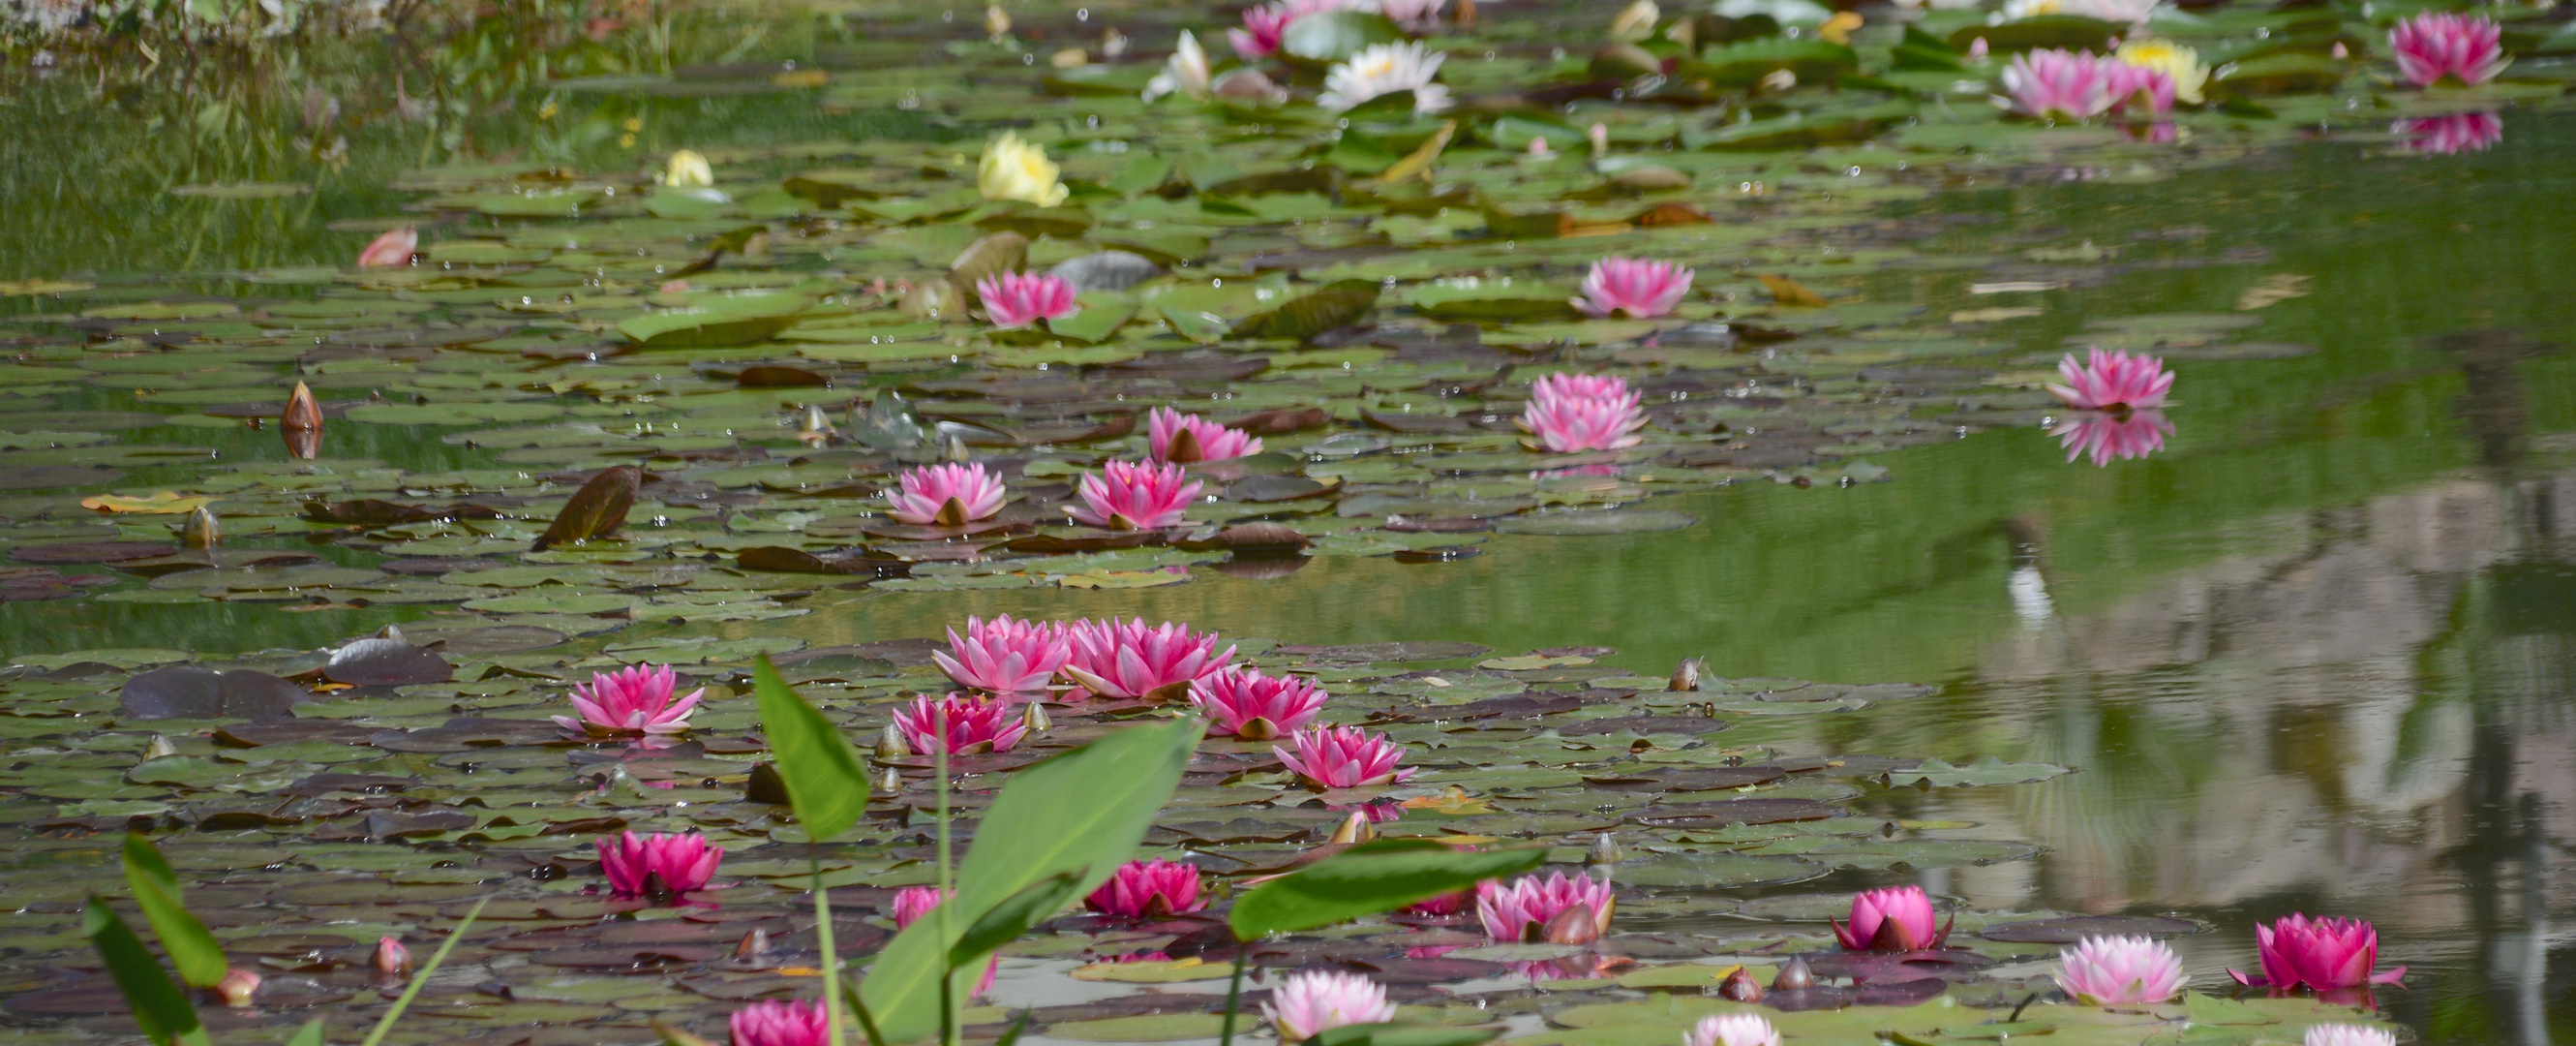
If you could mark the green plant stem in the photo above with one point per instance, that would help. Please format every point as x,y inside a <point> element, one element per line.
<point>421,978</point>
<point>947,884</point>
<point>1234,995</point>
<point>831,954</point>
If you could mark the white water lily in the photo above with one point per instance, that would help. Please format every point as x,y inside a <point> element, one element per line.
<point>1383,69</point>
<point>1187,73</point>
<point>688,170</point>
<point>1015,170</point>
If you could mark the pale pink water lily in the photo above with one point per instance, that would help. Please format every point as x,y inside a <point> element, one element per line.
<point>1558,909</point>
<point>2113,437</point>
<point>2055,82</point>
<point>2119,971</point>
<point>1642,288</point>
<point>632,700</point>
<point>683,862</point>
<point>390,248</point>
<point>2325,954</point>
<point>1134,495</point>
<point>780,1022</point>
<point>972,725</point>
<point>1894,919</point>
<point>1246,704</point>
<point>1307,1003</point>
<point>1383,69</point>
<point>1416,15</point>
<point>2438,44</point>
<point>1005,655</point>
<point>1263,24</point>
<point>1732,1029</point>
<point>2347,1035</point>
<point>1148,889</point>
<point>1130,659</point>
<point>1344,757</point>
<point>2449,134</point>
<point>1019,299</point>
<point>2113,381</point>
<point>1577,412</point>
<point>2141,86</point>
<point>1186,438</point>
<point>945,495</point>
<point>913,902</point>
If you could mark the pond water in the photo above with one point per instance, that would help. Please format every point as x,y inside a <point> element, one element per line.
<point>2316,653</point>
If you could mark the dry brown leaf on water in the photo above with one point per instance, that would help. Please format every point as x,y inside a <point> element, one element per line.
<point>1787,291</point>
<point>2272,290</point>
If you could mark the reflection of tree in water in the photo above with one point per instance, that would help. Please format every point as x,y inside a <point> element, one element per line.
<point>2495,405</point>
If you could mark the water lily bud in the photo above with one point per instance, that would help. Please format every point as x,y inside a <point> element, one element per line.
<point>2340,51</point>
<point>996,23</point>
<point>1779,80</point>
<point>688,170</point>
<point>1636,21</point>
<point>1794,976</point>
<point>1112,44</point>
<point>1686,676</point>
<point>1739,986</point>
<point>1600,136</point>
<point>890,744</point>
<point>1034,718</point>
<point>753,943</point>
<point>158,747</point>
<point>1605,850</point>
<point>1355,829</point>
<point>237,987</point>
<point>1069,58</point>
<point>891,782</point>
<point>200,530</point>
<point>392,959</point>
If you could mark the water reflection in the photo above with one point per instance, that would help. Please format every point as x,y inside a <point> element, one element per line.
<point>2449,134</point>
<point>2119,435</point>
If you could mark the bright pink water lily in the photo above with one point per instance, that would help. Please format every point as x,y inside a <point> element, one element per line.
<point>1732,1029</point>
<point>1129,659</point>
<point>1147,889</point>
<point>1185,438</point>
<point>2119,971</point>
<point>974,725</point>
<point>1557,909</point>
<point>2113,437</point>
<point>2437,44</point>
<point>2325,954</point>
<point>2449,134</point>
<point>913,902</point>
<point>2113,381</point>
<point>1894,919</point>
<point>1004,655</point>
<point>946,495</point>
<point>1127,495</point>
<point>1018,299</point>
<point>1263,24</point>
<point>1320,1000</point>
<point>1246,704</point>
<point>632,700</point>
<point>780,1022</point>
<point>683,862</point>
<point>2078,85</point>
<point>393,247</point>
<point>1578,412</point>
<point>1639,287</point>
<point>1344,757</point>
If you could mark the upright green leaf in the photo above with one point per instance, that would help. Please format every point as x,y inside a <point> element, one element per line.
<point>156,889</point>
<point>308,1035</point>
<point>826,783</point>
<point>1013,917</point>
<point>1082,812</point>
<point>1367,879</point>
<point>1402,1035</point>
<point>159,1006</point>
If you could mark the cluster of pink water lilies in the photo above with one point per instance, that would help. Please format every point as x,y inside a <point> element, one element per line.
<point>1123,495</point>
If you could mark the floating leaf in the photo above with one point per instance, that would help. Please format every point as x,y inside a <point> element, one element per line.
<point>1330,307</point>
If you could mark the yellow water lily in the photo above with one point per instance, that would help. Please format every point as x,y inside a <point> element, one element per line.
<point>1015,170</point>
<point>2174,60</point>
<point>688,170</point>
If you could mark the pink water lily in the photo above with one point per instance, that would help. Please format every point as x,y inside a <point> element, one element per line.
<point>1732,1029</point>
<point>973,725</point>
<point>2325,954</point>
<point>1264,23</point>
<point>913,902</point>
<point>1004,655</point>
<point>1185,438</point>
<point>1129,659</point>
<point>1321,1000</point>
<point>781,1022</point>
<point>2053,81</point>
<point>946,495</point>
<point>2119,971</point>
<point>2113,437</point>
<point>1344,757</point>
<point>2113,381</point>
<point>1148,889</point>
<point>1018,299</point>
<point>2438,44</point>
<point>1894,919</point>
<point>1244,703</point>
<point>2147,88</point>
<point>632,700</point>
<point>392,247</point>
<point>1639,287</point>
<point>1557,909</point>
<point>1127,495</point>
<point>683,862</point>
<point>1578,412</point>
<point>2449,134</point>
